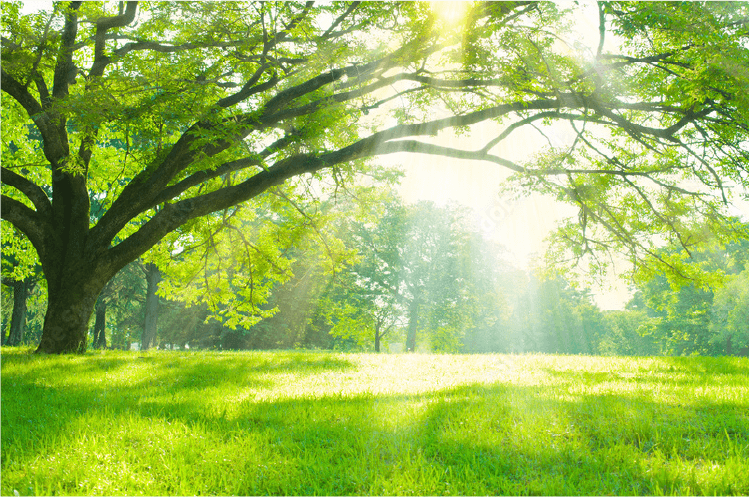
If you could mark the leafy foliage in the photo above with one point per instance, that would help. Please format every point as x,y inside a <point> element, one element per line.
<point>697,320</point>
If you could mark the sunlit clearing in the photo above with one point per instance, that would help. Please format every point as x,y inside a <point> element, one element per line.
<point>451,14</point>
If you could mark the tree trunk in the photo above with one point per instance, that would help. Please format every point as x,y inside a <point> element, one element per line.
<point>18,318</point>
<point>2,330</point>
<point>100,325</point>
<point>69,311</point>
<point>413,320</point>
<point>377,337</point>
<point>153,276</point>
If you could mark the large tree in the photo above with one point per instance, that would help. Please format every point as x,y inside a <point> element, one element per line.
<point>169,112</point>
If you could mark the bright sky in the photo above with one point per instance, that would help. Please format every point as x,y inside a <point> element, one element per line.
<point>520,226</point>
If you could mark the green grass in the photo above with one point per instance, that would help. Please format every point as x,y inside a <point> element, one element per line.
<point>189,423</point>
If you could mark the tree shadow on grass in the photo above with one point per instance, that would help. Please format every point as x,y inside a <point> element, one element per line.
<point>36,404</point>
<point>494,439</point>
<point>471,439</point>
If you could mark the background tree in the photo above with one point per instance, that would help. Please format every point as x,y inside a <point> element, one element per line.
<point>151,311</point>
<point>21,290</point>
<point>417,273</point>
<point>551,316</point>
<point>122,304</point>
<point>496,289</point>
<point>729,324</point>
<point>20,273</point>
<point>623,334</point>
<point>365,303</point>
<point>6,294</point>
<point>685,318</point>
<point>680,318</point>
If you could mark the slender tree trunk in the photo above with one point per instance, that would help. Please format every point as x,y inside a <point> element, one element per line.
<point>413,321</point>
<point>153,276</point>
<point>588,342</point>
<point>18,318</point>
<point>377,337</point>
<point>2,330</point>
<point>100,325</point>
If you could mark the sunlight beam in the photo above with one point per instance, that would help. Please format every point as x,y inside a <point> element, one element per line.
<point>452,14</point>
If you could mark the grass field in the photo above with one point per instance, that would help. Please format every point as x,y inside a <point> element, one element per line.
<point>186,423</point>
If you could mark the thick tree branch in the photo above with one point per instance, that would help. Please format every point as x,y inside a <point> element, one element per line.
<point>142,191</point>
<point>122,19</point>
<point>32,191</point>
<point>20,93</point>
<point>176,214</point>
<point>27,221</point>
<point>65,69</point>
<point>382,82</point>
<point>9,45</point>
<point>662,57</point>
<point>250,88</point>
<point>601,29</point>
<point>199,177</point>
<point>154,46</point>
<point>102,26</point>
<point>101,61</point>
<point>432,127</point>
<point>381,142</point>
<point>34,73</point>
<point>55,146</point>
<point>343,97</point>
<point>637,130</point>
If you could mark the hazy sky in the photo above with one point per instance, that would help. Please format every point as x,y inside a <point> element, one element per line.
<point>520,226</point>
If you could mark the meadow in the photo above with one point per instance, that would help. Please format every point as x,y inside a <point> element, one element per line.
<point>246,423</point>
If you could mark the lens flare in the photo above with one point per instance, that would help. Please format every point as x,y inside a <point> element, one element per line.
<point>452,14</point>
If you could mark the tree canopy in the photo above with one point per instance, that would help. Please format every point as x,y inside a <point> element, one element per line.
<point>167,116</point>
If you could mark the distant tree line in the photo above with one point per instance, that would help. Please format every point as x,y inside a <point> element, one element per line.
<point>399,278</point>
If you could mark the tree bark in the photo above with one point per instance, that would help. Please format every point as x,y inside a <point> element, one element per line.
<point>18,318</point>
<point>100,325</point>
<point>153,276</point>
<point>69,310</point>
<point>377,338</point>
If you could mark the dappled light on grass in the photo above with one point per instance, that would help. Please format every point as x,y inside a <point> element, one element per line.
<point>166,423</point>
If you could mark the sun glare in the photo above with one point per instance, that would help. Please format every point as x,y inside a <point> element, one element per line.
<point>451,13</point>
